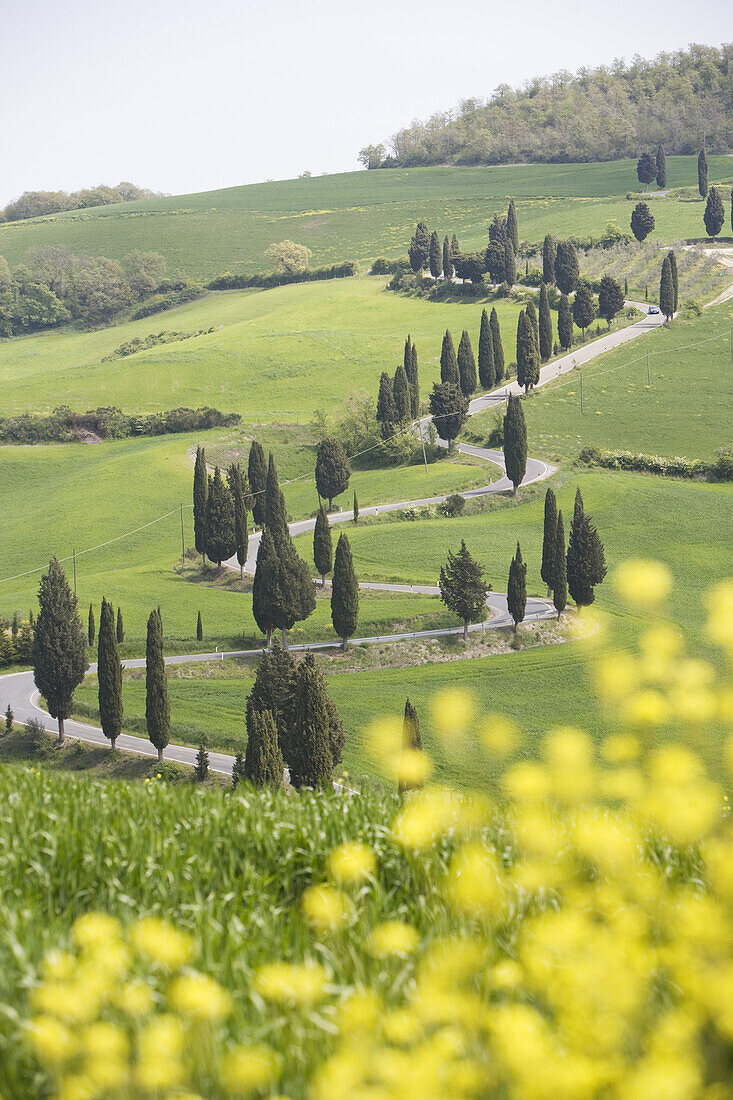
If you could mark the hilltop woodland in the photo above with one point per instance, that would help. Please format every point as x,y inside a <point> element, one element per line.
<point>680,98</point>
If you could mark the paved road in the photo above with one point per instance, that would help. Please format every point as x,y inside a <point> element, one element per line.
<point>18,689</point>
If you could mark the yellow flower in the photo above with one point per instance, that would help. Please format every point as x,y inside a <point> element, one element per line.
<point>199,996</point>
<point>95,931</point>
<point>59,966</point>
<point>326,908</point>
<point>249,1068</point>
<point>452,712</point>
<point>135,998</point>
<point>393,937</point>
<point>620,748</point>
<point>104,1040</point>
<point>647,708</point>
<point>361,1011</point>
<point>473,883</point>
<point>78,1086</point>
<point>642,583</point>
<point>289,982</point>
<point>526,780</point>
<point>411,767</point>
<point>54,1041</point>
<point>424,817</point>
<point>568,754</point>
<point>352,862</point>
<point>160,942</point>
<point>499,734</point>
<point>160,1052</point>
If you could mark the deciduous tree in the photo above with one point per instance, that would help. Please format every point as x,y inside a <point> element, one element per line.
<point>642,221</point>
<point>449,409</point>
<point>288,257</point>
<point>59,645</point>
<point>463,589</point>
<point>332,467</point>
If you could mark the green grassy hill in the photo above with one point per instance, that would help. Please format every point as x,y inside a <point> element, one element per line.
<point>361,215</point>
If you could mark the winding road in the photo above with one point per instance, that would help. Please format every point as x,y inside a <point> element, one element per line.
<point>18,690</point>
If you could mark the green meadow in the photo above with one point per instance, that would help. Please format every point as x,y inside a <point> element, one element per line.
<point>361,215</point>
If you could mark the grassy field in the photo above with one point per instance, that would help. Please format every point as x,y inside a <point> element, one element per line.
<point>361,215</point>
<point>275,355</point>
<point>687,410</point>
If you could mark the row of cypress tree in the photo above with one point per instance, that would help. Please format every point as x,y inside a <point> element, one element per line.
<point>398,400</point>
<point>91,627</point>
<point>461,368</point>
<point>220,510</point>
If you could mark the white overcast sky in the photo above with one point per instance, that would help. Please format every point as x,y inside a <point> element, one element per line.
<point>188,95</point>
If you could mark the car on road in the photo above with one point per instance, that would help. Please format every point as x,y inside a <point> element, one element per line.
<point>654,309</point>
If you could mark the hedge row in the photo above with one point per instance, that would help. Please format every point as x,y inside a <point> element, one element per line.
<point>720,470</point>
<point>227,281</point>
<point>65,426</point>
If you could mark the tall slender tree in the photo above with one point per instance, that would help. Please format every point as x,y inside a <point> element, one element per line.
<point>666,289</point>
<point>546,334</point>
<point>332,467</point>
<point>515,442</point>
<point>466,366</point>
<point>463,589</point>
<point>292,593</point>
<point>273,690</point>
<point>257,477</point>
<point>661,167</point>
<point>549,538</point>
<point>549,249</point>
<point>435,255</point>
<point>322,546</point>
<point>386,409</point>
<point>157,703</point>
<point>702,173</point>
<point>199,628</point>
<point>311,762</point>
<point>411,742</point>
<point>586,561</point>
<point>240,491</point>
<point>413,378</point>
<point>496,344</point>
<point>675,277</point>
<point>447,260</point>
<point>516,593</point>
<point>344,593</point>
<point>449,361</point>
<point>566,267</point>
<point>109,673</point>
<point>401,393</point>
<point>201,767</point>
<point>120,627</point>
<point>584,309</point>
<point>559,575</point>
<point>646,169</point>
<point>512,226</point>
<point>455,248</point>
<point>564,322</point>
<point>59,650</point>
<point>355,510</point>
<point>263,762</point>
<point>267,595</point>
<point>531,312</point>
<point>528,366</point>
<point>486,368</point>
<point>200,495</point>
<point>220,531</point>
<point>91,626</point>
<point>407,355</point>
<point>510,263</point>
<point>276,519</point>
<point>419,247</point>
<point>714,215</point>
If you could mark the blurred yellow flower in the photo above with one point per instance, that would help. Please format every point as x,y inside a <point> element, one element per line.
<point>500,735</point>
<point>642,583</point>
<point>361,1011</point>
<point>473,884</point>
<point>289,982</point>
<point>393,937</point>
<point>135,998</point>
<point>248,1069</point>
<point>95,931</point>
<point>351,862</point>
<point>198,995</point>
<point>452,712</point>
<point>161,943</point>
<point>53,1040</point>
<point>326,908</point>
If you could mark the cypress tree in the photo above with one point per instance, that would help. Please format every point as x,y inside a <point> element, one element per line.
<point>157,704</point>
<point>9,719</point>
<point>355,510</point>
<point>200,495</point>
<point>610,298</point>
<point>344,592</point>
<point>386,409</point>
<point>267,595</point>
<point>566,267</point>
<point>494,261</point>
<point>586,561</point>
<point>702,173</point>
<point>512,226</point>
<point>564,322</point>
<point>675,277</point>
<point>549,248</point>
<point>549,538</point>
<point>447,260</point>
<point>201,768</point>
<point>516,593</point>
<point>411,740</point>
<point>238,769</point>
<point>401,394</point>
<point>528,366</point>
<point>273,690</point>
<point>220,534</point>
<point>414,379</point>
<point>496,345</point>
<point>455,248</point>
<point>515,442</point>
<point>263,762</point>
<point>642,221</point>
<point>120,627</point>
<point>322,547</point>
<point>91,627</point>
<point>257,478</point>
<point>466,365</point>
<point>448,361</point>
<point>199,628</point>
<point>311,763</point>
<point>419,247</point>
<point>510,263</point>
<point>661,166</point>
<point>332,468</point>
<point>407,355</point>
<point>462,587</point>
<point>559,575</point>
<point>531,312</point>
<point>486,368</point>
<point>436,255</point>
<point>276,519</point>
<point>59,645</point>
<point>449,409</point>
<point>714,215</point>
<point>109,672</point>
<point>666,289</point>
<point>546,334</point>
<point>646,169</point>
<point>239,490</point>
<point>583,308</point>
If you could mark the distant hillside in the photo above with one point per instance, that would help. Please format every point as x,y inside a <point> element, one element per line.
<point>35,204</point>
<point>681,99</point>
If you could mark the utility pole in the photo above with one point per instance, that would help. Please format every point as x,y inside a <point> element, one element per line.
<point>581,391</point>
<point>183,540</point>
<point>74,553</point>
<point>422,440</point>
<point>648,370</point>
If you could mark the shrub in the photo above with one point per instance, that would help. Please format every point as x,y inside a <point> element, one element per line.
<point>453,505</point>
<point>227,281</point>
<point>658,464</point>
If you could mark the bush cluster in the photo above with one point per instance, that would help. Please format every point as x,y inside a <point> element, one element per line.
<point>720,470</point>
<point>63,425</point>
<point>160,302</point>
<point>152,340</point>
<point>227,281</point>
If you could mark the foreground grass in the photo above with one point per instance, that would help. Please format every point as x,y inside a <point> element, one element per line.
<point>360,215</point>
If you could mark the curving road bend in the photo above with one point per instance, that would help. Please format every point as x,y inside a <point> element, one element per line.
<point>18,690</point>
